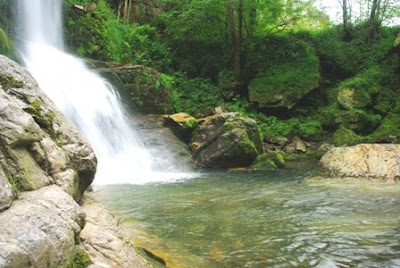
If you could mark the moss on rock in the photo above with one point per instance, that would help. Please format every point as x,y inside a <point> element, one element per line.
<point>270,160</point>
<point>344,136</point>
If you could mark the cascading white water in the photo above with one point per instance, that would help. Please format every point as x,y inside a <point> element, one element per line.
<point>85,98</point>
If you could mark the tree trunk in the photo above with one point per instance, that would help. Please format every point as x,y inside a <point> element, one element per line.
<point>346,29</point>
<point>230,12</point>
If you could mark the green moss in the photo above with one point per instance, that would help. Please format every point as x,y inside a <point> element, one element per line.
<point>388,131</point>
<point>311,131</point>
<point>269,161</point>
<point>344,136</point>
<point>9,82</point>
<point>16,184</point>
<point>282,83</point>
<point>42,117</point>
<point>81,259</point>
<point>358,120</point>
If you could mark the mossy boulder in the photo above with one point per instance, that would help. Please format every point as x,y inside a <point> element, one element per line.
<point>344,136</point>
<point>280,132</point>
<point>226,140</point>
<point>143,88</point>
<point>388,131</point>
<point>270,160</point>
<point>357,120</point>
<point>282,84</point>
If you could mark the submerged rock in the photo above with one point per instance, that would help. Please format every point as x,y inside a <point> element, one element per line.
<point>226,140</point>
<point>105,241</point>
<point>378,161</point>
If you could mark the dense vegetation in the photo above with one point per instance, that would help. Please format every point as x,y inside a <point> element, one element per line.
<point>281,62</point>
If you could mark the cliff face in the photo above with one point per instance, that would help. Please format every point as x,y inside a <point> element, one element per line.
<point>45,167</point>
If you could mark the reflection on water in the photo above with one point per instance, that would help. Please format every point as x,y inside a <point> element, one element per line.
<point>262,219</point>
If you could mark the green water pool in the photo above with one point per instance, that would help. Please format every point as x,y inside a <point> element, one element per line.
<point>261,219</point>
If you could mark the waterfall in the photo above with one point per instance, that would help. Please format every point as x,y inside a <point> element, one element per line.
<point>89,101</point>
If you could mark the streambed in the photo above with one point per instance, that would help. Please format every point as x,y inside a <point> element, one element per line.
<point>261,219</point>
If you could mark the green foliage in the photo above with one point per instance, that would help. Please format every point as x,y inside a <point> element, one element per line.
<point>5,44</point>
<point>286,79</point>
<point>341,59</point>
<point>100,35</point>
<point>16,184</point>
<point>196,96</point>
<point>277,131</point>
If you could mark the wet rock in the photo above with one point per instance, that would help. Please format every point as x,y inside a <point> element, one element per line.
<point>226,140</point>
<point>169,152</point>
<point>381,161</point>
<point>106,242</point>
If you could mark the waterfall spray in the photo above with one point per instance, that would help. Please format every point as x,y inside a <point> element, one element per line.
<point>85,98</point>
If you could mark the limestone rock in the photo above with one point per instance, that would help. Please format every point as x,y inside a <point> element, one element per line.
<point>105,241</point>
<point>226,140</point>
<point>181,124</point>
<point>381,161</point>
<point>144,88</point>
<point>39,146</point>
<point>40,229</point>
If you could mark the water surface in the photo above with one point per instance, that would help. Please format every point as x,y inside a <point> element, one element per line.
<point>262,219</point>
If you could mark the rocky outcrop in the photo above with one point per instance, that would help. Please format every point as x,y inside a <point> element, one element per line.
<point>143,88</point>
<point>38,146</point>
<point>45,167</point>
<point>105,241</point>
<point>226,140</point>
<point>374,161</point>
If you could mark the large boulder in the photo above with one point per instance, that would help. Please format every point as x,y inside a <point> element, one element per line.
<point>143,88</point>
<point>38,145</point>
<point>375,161</point>
<point>40,230</point>
<point>226,140</point>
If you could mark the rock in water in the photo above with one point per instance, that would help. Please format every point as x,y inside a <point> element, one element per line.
<point>226,140</point>
<point>105,241</point>
<point>375,161</point>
